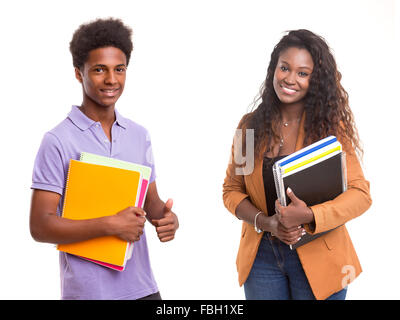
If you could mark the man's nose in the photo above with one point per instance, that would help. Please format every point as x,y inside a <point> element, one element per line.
<point>110,78</point>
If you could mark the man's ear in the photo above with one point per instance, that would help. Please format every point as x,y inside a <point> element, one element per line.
<point>78,75</point>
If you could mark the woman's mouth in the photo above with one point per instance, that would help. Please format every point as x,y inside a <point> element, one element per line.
<point>288,90</point>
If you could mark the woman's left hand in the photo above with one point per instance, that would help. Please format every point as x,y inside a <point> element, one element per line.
<point>296,213</point>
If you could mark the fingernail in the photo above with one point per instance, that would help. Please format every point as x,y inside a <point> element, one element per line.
<point>303,233</point>
<point>298,239</point>
<point>289,190</point>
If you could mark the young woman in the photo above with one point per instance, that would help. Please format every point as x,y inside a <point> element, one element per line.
<point>301,102</point>
<point>101,51</point>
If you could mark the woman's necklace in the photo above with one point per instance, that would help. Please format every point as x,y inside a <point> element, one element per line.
<point>286,124</point>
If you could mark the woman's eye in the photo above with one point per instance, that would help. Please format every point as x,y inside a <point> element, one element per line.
<point>283,68</point>
<point>303,74</point>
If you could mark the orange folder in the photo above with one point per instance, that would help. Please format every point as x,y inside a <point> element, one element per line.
<point>95,191</point>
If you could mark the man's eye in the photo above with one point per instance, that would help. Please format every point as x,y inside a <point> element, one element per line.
<point>120,69</point>
<point>98,70</point>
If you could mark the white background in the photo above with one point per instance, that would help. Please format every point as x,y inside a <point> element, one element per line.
<point>195,70</point>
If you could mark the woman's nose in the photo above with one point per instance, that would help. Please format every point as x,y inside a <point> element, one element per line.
<point>290,78</point>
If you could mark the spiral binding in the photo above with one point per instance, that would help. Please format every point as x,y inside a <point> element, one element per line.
<point>277,172</point>
<point>66,187</point>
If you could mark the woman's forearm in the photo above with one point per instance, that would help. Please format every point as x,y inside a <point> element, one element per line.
<point>247,212</point>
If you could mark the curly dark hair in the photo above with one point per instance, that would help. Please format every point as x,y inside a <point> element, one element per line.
<point>326,106</point>
<point>99,34</point>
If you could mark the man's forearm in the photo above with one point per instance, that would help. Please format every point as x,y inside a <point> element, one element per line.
<point>154,209</point>
<point>58,230</point>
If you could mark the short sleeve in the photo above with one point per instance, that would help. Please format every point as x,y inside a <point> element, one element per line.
<point>48,171</point>
<point>149,157</point>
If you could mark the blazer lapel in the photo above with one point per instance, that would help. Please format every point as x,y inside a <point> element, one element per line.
<point>255,185</point>
<point>300,133</point>
<point>255,181</point>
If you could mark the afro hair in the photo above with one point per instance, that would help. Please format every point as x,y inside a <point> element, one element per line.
<point>100,33</point>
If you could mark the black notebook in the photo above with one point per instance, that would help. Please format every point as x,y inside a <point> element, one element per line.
<point>317,174</point>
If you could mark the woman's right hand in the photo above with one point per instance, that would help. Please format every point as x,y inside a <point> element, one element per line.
<point>247,211</point>
<point>128,224</point>
<point>287,235</point>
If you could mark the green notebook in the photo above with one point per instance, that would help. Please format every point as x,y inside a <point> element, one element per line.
<point>106,161</point>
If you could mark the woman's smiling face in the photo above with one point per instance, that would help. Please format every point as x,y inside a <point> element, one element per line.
<point>292,75</point>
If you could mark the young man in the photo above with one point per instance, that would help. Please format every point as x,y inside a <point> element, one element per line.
<point>101,52</point>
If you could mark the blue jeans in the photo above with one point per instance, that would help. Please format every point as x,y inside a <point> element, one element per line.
<point>277,274</point>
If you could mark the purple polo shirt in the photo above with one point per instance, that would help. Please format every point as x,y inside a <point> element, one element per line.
<point>81,279</point>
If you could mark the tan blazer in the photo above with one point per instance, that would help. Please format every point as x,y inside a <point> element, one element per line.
<point>330,261</point>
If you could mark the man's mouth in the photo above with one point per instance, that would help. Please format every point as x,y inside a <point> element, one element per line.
<point>110,92</point>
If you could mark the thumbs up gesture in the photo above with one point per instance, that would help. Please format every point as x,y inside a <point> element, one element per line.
<point>167,226</point>
<point>295,214</point>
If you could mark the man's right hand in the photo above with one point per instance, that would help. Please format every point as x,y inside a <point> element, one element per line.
<point>128,224</point>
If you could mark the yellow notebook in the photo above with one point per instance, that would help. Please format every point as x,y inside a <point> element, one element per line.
<point>94,191</point>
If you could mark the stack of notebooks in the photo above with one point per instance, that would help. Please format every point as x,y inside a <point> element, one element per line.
<point>315,174</point>
<point>99,186</point>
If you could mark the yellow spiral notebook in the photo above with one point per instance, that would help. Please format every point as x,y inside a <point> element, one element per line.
<point>94,191</point>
